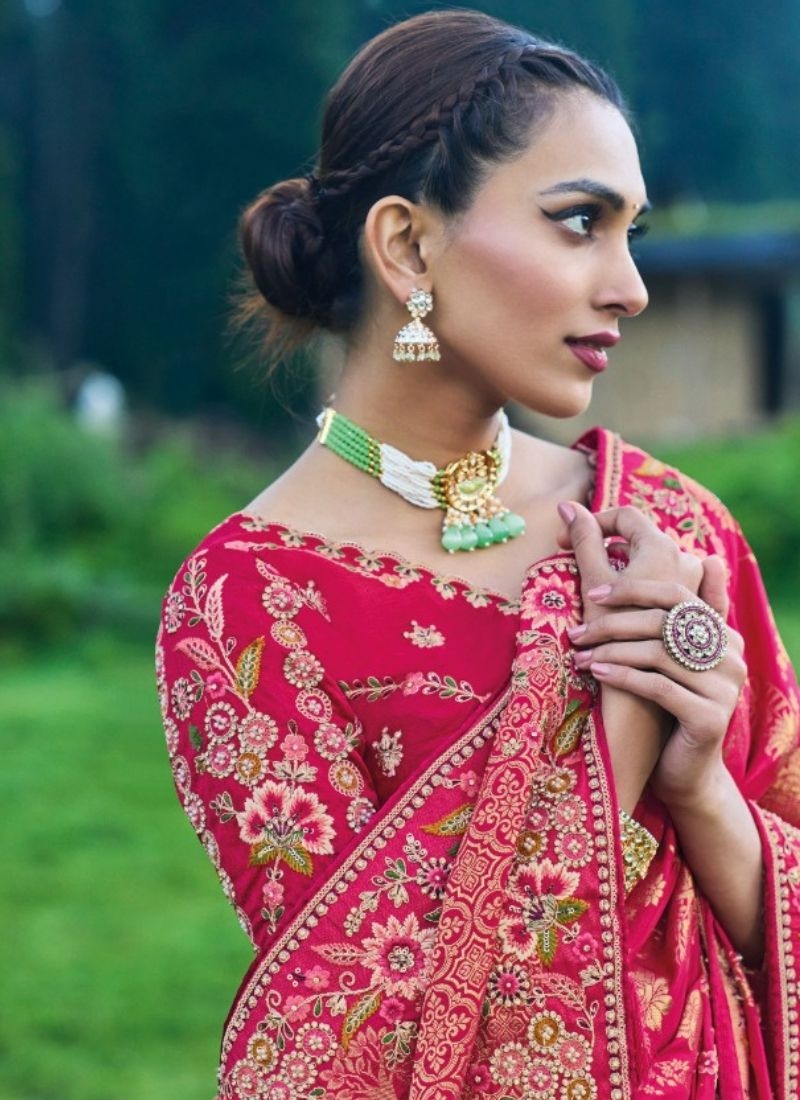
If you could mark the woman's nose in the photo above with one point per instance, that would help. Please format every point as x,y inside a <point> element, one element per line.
<point>624,290</point>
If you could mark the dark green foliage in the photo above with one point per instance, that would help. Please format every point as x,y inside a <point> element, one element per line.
<point>136,133</point>
<point>756,477</point>
<point>92,532</point>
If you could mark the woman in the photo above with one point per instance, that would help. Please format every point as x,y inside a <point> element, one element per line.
<point>530,832</point>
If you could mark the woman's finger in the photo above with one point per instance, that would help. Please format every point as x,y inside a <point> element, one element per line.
<point>631,524</point>
<point>707,716</point>
<point>623,590</point>
<point>650,654</point>
<point>586,541</point>
<point>714,585</point>
<point>622,626</point>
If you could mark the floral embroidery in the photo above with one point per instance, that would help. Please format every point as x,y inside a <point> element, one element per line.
<point>426,637</point>
<point>509,984</point>
<point>174,611</point>
<point>302,669</point>
<point>288,826</point>
<point>428,683</point>
<point>389,751</point>
<point>398,953</point>
<point>541,905</point>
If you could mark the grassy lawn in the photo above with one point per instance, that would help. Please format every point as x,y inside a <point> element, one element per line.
<point>119,953</point>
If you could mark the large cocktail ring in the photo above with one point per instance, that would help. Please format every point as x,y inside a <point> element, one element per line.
<point>695,635</point>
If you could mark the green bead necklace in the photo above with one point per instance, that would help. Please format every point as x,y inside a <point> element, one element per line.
<point>464,490</point>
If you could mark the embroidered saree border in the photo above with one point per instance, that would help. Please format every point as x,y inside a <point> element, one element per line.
<point>396,817</point>
<point>782,938</point>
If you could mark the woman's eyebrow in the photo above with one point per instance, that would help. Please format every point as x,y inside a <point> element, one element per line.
<point>593,187</point>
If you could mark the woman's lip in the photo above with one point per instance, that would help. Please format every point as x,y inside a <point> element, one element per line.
<point>594,358</point>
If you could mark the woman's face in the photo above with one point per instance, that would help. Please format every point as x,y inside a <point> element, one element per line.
<point>541,261</point>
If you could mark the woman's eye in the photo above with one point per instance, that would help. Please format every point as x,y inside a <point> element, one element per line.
<point>581,223</point>
<point>636,232</point>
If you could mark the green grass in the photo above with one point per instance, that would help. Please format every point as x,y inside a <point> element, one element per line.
<point>119,954</point>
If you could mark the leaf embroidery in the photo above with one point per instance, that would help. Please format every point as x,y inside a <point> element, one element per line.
<point>453,824</point>
<point>200,652</point>
<point>357,1015</point>
<point>341,954</point>
<point>214,615</point>
<point>248,668</point>
<point>569,732</point>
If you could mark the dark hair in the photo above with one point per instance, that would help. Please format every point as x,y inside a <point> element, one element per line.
<point>420,111</point>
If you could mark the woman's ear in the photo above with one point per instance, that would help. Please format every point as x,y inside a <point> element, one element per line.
<point>399,244</point>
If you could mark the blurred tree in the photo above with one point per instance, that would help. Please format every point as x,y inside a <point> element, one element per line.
<point>137,132</point>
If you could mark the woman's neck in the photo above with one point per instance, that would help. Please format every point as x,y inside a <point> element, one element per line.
<point>421,408</point>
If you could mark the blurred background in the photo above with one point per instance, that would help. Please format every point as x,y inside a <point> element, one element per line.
<point>131,135</point>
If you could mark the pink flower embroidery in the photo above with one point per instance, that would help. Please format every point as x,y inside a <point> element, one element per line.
<point>259,732</point>
<point>281,600</point>
<point>569,811</point>
<point>332,742</point>
<point>586,946</point>
<point>398,954</point>
<point>540,902</point>
<point>282,824</point>
<point>298,1069</point>
<point>296,1008</point>
<point>508,1064</point>
<point>508,984</point>
<point>294,747</point>
<point>470,784</point>
<point>316,1040</point>
<point>182,698</point>
<point>432,877</point>
<point>220,760</point>
<point>480,1080</point>
<point>248,1080</point>
<point>317,979</point>
<point>414,683</point>
<point>174,611</point>
<point>215,685</point>
<point>272,894</point>
<point>302,669</point>
<point>393,1010</point>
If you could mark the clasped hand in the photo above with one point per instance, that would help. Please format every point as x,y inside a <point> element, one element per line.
<point>679,745</point>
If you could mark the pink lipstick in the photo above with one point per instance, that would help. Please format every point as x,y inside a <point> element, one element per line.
<point>591,350</point>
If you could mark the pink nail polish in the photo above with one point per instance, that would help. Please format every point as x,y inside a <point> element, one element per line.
<point>600,592</point>
<point>600,669</point>
<point>566,511</point>
<point>575,632</point>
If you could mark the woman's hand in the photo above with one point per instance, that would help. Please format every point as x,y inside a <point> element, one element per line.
<point>622,646</point>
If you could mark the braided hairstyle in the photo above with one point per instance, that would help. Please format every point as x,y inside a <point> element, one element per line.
<point>421,111</point>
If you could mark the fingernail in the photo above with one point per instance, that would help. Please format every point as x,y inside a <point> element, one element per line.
<point>600,592</point>
<point>566,511</point>
<point>600,669</point>
<point>575,632</point>
<point>583,658</point>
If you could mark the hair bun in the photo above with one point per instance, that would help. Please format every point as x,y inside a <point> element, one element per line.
<point>283,242</point>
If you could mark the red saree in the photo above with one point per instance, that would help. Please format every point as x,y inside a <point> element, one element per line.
<point>403,784</point>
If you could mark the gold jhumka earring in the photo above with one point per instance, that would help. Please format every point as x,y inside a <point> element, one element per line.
<point>415,342</point>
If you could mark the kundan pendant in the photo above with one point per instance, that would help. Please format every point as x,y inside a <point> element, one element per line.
<point>474,517</point>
